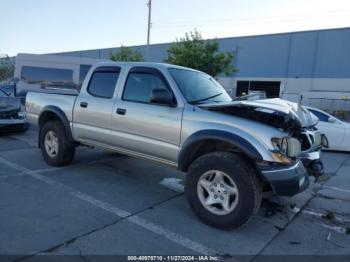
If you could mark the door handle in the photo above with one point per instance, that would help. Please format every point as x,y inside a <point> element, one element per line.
<point>121,111</point>
<point>83,104</point>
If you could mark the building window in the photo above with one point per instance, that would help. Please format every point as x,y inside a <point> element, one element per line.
<point>47,76</point>
<point>270,88</point>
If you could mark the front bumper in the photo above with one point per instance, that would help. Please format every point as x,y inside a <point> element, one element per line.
<point>312,161</point>
<point>287,180</point>
<point>13,126</point>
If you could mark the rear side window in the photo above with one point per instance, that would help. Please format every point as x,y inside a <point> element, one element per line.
<point>103,83</point>
<point>84,69</point>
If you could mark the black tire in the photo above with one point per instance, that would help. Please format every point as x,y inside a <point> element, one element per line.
<point>66,147</point>
<point>244,176</point>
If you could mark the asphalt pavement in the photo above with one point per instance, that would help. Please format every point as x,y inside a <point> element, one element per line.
<point>109,204</point>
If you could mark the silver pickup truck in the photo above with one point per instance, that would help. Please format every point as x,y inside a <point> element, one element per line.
<point>232,151</point>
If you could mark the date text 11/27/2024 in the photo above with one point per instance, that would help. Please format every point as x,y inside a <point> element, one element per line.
<point>173,258</point>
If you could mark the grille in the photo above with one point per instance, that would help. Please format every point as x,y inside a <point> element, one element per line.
<point>9,116</point>
<point>305,144</point>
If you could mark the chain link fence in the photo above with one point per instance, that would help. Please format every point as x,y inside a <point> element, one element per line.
<point>337,107</point>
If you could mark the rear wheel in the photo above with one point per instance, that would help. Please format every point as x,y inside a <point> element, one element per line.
<point>56,148</point>
<point>223,189</point>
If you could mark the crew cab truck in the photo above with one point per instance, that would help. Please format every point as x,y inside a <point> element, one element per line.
<point>232,151</point>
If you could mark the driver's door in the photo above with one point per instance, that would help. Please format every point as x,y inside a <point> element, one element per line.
<point>141,126</point>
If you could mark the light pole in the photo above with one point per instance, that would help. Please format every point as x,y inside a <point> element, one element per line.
<point>149,4</point>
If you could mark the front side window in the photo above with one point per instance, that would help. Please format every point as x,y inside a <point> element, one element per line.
<point>139,86</point>
<point>103,83</point>
<point>198,87</point>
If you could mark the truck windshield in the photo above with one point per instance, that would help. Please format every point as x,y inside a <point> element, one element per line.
<point>198,87</point>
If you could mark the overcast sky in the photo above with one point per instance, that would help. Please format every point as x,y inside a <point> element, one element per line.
<point>44,26</point>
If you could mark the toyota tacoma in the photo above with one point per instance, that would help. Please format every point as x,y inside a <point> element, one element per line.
<point>231,151</point>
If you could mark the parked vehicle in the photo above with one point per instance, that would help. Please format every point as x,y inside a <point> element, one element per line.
<point>231,150</point>
<point>336,131</point>
<point>12,117</point>
<point>8,89</point>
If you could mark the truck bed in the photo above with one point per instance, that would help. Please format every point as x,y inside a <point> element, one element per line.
<point>36,102</point>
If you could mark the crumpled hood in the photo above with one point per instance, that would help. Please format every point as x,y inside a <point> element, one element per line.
<point>269,106</point>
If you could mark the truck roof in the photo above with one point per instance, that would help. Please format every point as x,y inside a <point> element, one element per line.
<point>153,64</point>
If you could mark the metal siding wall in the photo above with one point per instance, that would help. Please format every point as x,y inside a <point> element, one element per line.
<point>75,54</point>
<point>262,56</point>
<point>302,55</point>
<point>313,54</point>
<point>69,54</point>
<point>91,54</point>
<point>333,56</point>
<point>105,53</point>
<point>158,53</point>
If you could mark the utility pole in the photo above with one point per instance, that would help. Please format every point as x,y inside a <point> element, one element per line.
<point>149,4</point>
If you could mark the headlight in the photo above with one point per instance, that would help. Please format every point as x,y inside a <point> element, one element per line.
<point>324,141</point>
<point>288,146</point>
<point>284,146</point>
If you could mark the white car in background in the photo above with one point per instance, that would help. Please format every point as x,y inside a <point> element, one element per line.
<point>336,131</point>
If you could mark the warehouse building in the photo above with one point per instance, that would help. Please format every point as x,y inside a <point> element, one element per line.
<point>311,67</point>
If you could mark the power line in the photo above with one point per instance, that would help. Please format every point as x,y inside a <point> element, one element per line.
<point>262,17</point>
<point>256,20</point>
<point>239,23</point>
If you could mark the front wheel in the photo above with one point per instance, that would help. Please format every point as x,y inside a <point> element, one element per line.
<point>55,146</point>
<point>223,189</point>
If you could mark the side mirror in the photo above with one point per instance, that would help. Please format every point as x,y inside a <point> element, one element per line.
<point>162,96</point>
<point>332,120</point>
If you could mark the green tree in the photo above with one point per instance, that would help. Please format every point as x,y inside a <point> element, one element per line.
<point>192,51</point>
<point>7,69</point>
<point>126,54</point>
